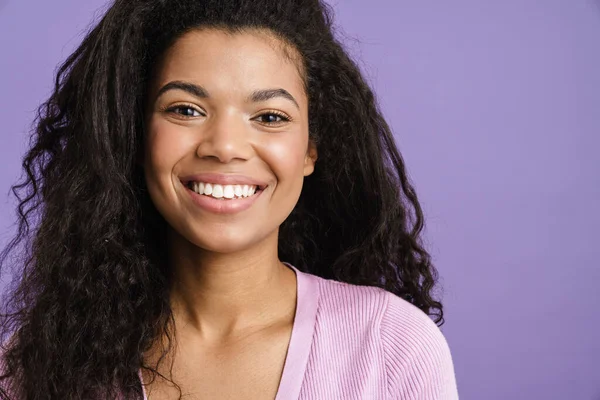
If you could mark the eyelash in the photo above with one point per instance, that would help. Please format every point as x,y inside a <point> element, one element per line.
<point>281,115</point>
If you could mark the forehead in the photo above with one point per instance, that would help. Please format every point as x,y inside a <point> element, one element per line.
<point>247,59</point>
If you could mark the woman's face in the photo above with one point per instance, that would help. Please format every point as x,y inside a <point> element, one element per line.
<point>227,116</point>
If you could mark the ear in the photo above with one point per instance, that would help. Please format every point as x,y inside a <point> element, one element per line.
<point>311,158</point>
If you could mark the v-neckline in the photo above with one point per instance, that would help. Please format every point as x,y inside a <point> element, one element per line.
<point>307,299</point>
<point>302,335</point>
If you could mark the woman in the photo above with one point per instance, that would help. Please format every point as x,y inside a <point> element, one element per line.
<point>223,213</point>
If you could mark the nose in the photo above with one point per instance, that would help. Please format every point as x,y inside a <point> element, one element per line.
<point>226,137</point>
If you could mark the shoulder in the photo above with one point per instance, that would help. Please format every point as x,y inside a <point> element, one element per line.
<point>418,360</point>
<point>353,302</point>
<point>416,356</point>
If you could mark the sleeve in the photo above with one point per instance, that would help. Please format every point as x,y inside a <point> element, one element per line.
<point>418,361</point>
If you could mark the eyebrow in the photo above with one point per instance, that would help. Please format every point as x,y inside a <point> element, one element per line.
<point>202,93</point>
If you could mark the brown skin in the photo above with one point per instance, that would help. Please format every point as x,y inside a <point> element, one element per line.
<point>233,301</point>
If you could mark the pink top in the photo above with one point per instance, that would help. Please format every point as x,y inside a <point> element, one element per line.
<point>362,342</point>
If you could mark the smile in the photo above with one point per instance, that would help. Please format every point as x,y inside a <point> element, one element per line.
<point>220,199</point>
<point>224,192</point>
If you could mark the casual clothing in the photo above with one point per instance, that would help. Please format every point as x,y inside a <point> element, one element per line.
<point>352,342</point>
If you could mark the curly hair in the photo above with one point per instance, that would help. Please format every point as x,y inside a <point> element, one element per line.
<point>91,292</point>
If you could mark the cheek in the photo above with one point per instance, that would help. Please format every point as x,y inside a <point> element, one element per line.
<point>285,156</point>
<point>165,145</point>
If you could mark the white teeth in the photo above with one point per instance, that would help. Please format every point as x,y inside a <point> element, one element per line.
<point>217,191</point>
<point>223,191</point>
<point>228,192</point>
<point>238,190</point>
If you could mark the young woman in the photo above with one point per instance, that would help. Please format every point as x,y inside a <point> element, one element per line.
<point>220,212</point>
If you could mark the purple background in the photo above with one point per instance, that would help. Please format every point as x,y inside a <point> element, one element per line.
<point>496,108</point>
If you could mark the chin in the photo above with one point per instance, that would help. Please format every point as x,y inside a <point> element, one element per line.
<point>225,242</point>
<point>223,247</point>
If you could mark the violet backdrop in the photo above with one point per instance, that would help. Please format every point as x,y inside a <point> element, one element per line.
<point>496,108</point>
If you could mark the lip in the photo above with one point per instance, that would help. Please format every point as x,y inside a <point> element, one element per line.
<point>219,206</point>
<point>223,179</point>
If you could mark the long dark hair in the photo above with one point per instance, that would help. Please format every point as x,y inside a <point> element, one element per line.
<point>91,290</point>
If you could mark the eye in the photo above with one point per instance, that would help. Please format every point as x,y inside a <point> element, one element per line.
<point>274,118</point>
<point>185,111</point>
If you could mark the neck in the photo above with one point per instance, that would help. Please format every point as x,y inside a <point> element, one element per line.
<point>221,296</point>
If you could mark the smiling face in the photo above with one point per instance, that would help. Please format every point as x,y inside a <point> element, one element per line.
<point>227,111</point>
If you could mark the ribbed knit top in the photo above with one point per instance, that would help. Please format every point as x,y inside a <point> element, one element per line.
<point>352,342</point>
